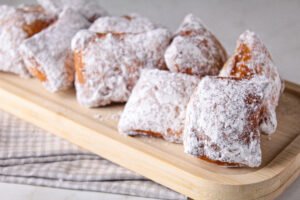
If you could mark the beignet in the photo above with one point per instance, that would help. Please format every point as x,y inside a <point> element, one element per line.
<point>251,60</point>
<point>16,25</point>
<point>157,105</point>
<point>132,23</point>
<point>222,121</point>
<point>48,56</point>
<point>108,63</point>
<point>90,9</point>
<point>195,50</point>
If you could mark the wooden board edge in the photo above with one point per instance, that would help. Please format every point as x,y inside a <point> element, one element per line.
<point>286,175</point>
<point>292,87</point>
<point>282,188</point>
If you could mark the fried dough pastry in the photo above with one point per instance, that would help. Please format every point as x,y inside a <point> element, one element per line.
<point>195,50</point>
<point>88,8</point>
<point>252,60</point>
<point>48,56</point>
<point>132,23</point>
<point>16,25</point>
<point>157,105</point>
<point>108,59</point>
<point>222,121</point>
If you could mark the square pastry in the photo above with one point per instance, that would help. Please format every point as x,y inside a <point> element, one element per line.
<point>157,105</point>
<point>48,56</point>
<point>132,23</point>
<point>222,121</point>
<point>195,50</point>
<point>252,60</point>
<point>109,57</point>
<point>16,25</point>
<point>90,9</point>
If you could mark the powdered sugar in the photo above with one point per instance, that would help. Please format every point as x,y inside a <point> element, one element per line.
<point>132,23</point>
<point>109,64</point>
<point>88,8</point>
<point>252,59</point>
<point>195,50</point>
<point>16,25</point>
<point>109,117</point>
<point>222,121</point>
<point>48,55</point>
<point>157,105</point>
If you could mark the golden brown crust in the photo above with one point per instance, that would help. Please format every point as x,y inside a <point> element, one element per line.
<point>149,133</point>
<point>34,71</point>
<point>36,27</point>
<point>78,62</point>
<point>39,24</point>
<point>240,68</point>
<point>219,162</point>
<point>38,74</point>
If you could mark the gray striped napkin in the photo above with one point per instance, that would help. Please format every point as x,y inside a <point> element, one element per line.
<point>29,155</point>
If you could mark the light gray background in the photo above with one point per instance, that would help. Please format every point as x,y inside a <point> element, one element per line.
<point>277,22</point>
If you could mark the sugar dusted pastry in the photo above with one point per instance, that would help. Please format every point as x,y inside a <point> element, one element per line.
<point>157,105</point>
<point>222,121</point>
<point>252,60</point>
<point>195,50</point>
<point>16,25</point>
<point>132,23</point>
<point>108,63</point>
<point>48,56</point>
<point>88,8</point>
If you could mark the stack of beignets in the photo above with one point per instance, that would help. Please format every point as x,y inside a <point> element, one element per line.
<point>161,96</point>
<point>178,87</point>
<point>36,39</point>
<point>226,114</point>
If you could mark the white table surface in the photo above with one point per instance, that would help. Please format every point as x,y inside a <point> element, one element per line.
<point>277,22</point>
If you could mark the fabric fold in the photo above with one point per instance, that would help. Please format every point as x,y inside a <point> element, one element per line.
<point>30,155</point>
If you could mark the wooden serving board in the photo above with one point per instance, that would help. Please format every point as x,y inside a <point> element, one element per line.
<point>165,163</point>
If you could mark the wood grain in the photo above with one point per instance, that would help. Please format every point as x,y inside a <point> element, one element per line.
<point>165,163</point>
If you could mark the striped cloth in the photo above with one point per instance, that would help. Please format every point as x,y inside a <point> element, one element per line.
<point>29,155</point>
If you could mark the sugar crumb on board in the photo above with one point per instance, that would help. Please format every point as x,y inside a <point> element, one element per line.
<point>108,117</point>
